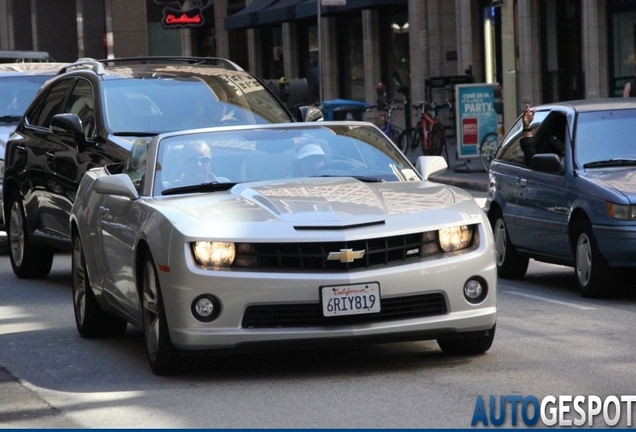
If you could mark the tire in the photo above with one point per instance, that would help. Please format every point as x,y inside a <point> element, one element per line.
<point>594,277</point>
<point>404,140</point>
<point>510,265</point>
<point>162,355</point>
<point>438,139</point>
<point>90,318</point>
<point>27,260</point>
<point>417,140</point>
<point>487,149</point>
<point>471,346</point>
<point>395,134</point>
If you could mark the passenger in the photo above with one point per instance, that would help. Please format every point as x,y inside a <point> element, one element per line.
<point>630,87</point>
<point>310,158</point>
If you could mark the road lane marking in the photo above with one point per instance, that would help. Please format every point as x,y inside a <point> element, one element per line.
<point>549,300</point>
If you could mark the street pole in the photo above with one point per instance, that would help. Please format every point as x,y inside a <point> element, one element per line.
<point>509,64</point>
<point>320,62</point>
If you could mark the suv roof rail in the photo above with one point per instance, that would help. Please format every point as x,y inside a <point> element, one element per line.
<point>216,61</point>
<point>84,63</point>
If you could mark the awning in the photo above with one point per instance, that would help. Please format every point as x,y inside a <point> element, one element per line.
<point>280,12</point>
<point>308,8</point>
<point>247,17</point>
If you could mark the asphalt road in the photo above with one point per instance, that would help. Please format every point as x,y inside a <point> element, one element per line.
<point>549,341</point>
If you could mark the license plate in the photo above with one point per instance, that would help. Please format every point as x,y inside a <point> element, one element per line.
<point>351,299</point>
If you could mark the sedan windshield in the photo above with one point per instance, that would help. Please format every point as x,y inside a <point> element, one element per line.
<point>165,103</point>
<point>606,138</point>
<point>274,153</point>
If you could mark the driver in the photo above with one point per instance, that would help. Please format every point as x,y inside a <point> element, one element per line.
<point>198,160</point>
<point>310,157</point>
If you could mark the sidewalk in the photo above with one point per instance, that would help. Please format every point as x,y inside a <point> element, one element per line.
<point>464,173</point>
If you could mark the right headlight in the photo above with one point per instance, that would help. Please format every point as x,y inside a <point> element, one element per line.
<point>214,255</point>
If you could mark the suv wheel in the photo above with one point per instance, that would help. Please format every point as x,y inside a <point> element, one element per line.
<point>27,260</point>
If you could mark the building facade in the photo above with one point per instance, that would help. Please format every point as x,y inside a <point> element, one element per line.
<point>539,50</point>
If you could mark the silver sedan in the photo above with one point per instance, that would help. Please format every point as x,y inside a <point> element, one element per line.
<point>266,237</point>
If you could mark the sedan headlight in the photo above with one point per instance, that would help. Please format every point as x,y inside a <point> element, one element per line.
<point>455,238</point>
<point>214,254</point>
<point>621,212</point>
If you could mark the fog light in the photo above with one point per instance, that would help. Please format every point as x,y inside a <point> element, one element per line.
<point>475,290</point>
<point>206,308</point>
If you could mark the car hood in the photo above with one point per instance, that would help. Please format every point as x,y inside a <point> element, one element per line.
<point>323,204</point>
<point>622,180</point>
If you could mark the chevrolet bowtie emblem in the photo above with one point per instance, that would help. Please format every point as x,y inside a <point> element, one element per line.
<point>345,255</point>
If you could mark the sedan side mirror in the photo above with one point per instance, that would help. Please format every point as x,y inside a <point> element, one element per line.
<point>70,125</point>
<point>547,162</point>
<point>116,184</point>
<point>309,114</point>
<point>430,165</point>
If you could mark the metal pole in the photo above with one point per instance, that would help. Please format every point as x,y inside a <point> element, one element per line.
<point>320,62</point>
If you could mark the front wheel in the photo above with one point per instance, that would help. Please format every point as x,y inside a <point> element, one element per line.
<point>162,355</point>
<point>475,345</point>
<point>510,265</point>
<point>594,277</point>
<point>27,260</point>
<point>488,148</point>
<point>404,140</point>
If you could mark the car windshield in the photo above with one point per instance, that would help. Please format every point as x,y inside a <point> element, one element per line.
<point>605,138</point>
<point>169,102</point>
<point>16,93</point>
<point>273,153</point>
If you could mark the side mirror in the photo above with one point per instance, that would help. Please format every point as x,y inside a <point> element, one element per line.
<point>547,162</point>
<point>116,184</point>
<point>428,166</point>
<point>309,114</point>
<point>69,125</point>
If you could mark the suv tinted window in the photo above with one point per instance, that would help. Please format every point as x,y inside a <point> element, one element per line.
<point>81,103</point>
<point>50,104</point>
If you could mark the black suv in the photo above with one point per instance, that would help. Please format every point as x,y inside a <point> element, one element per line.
<point>91,114</point>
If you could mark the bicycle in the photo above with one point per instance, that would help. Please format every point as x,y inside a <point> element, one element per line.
<point>487,149</point>
<point>429,131</point>
<point>386,120</point>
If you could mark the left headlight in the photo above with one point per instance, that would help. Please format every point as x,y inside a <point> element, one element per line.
<point>214,254</point>
<point>621,212</point>
<point>456,238</point>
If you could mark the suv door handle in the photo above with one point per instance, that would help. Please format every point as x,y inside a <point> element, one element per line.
<point>523,182</point>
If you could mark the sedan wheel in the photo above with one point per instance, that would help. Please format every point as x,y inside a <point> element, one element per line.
<point>510,265</point>
<point>593,276</point>
<point>162,355</point>
<point>27,260</point>
<point>90,319</point>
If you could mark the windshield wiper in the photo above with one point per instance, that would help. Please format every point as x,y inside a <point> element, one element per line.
<point>365,179</point>
<point>204,187</point>
<point>10,119</point>
<point>611,162</point>
<point>137,134</point>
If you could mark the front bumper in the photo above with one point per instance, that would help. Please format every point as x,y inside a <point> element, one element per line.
<point>238,290</point>
<point>617,244</point>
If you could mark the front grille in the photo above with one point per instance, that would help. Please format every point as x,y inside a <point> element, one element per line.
<point>310,314</point>
<point>313,256</point>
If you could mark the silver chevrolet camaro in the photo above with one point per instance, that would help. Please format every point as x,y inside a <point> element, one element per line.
<point>277,236</point>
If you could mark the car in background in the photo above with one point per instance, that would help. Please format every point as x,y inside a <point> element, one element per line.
<point>19,82</point>
<point>574,204</point>
<point>265,236</point>
<point>91,114</point>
